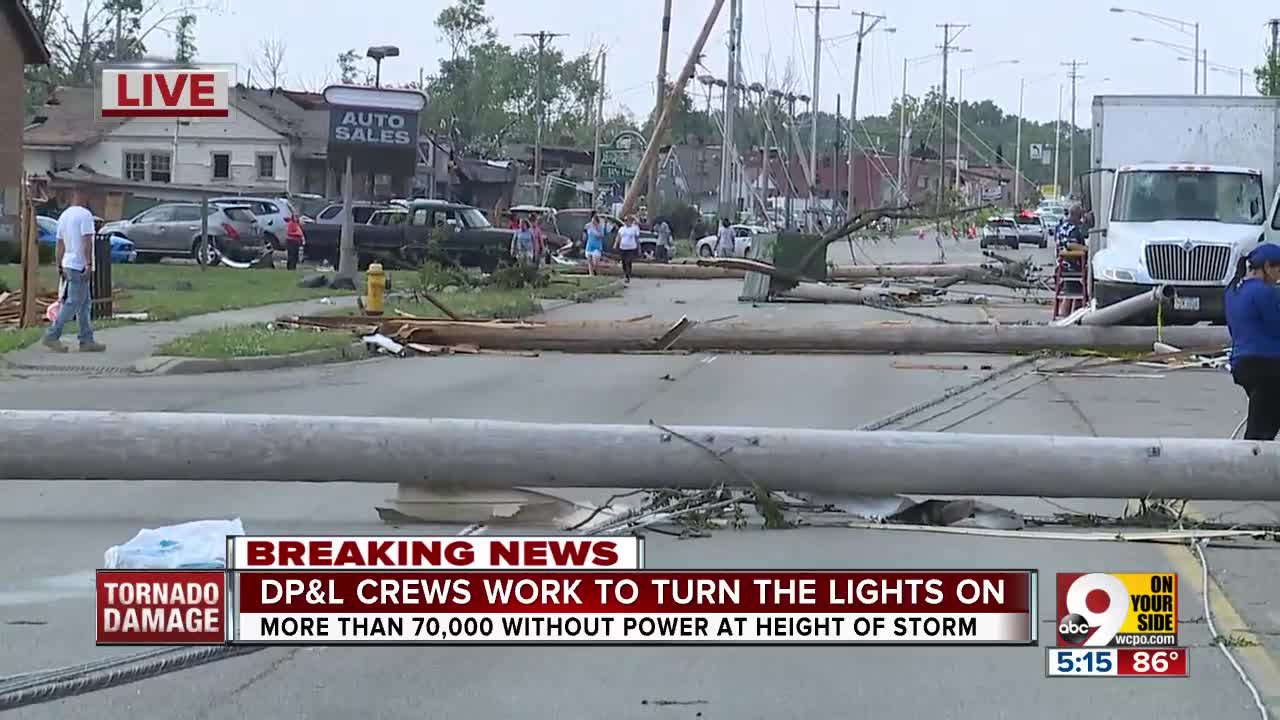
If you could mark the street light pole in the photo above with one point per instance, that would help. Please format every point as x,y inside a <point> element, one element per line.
<point>1181,26</point>
<point>1196,70</point>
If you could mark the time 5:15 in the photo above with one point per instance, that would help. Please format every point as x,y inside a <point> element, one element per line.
<point>1081,662</point>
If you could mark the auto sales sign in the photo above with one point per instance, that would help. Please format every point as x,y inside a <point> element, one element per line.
<point>166,91</point>
<point>376,128</point>
<point>370,127</point>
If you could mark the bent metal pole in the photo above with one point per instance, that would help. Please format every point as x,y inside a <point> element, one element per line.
<point>447,454</point>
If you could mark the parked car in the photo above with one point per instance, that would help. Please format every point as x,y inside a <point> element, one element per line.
<point>742,235</point>
<point>360,213</point>
<point>465,236</point>
<point>173,230</point>
<point>47,234</point>
<point>272,214</point>
<point>570,224</point>
<point>1000,231</point>
<point>1031,229</point>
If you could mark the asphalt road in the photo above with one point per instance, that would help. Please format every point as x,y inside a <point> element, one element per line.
<point>55,534</point>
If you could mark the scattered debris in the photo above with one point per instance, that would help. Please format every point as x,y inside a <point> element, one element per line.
<point>638,318</point>
<point>198,544</point>
<point>385,344</point>
<point>667,377</point>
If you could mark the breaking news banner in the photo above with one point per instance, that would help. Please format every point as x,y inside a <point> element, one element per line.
<point>634,607</point>
<point>189,607</point>
<point>1117,609</point>
<point>1116,662</point>
<point>248,552</point>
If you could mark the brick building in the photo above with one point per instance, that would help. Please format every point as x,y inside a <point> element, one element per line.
<point>20,45</point>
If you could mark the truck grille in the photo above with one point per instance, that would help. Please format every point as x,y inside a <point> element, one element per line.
<point>1171,262</point>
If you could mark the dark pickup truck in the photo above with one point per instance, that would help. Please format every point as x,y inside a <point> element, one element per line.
<point>465,236</point>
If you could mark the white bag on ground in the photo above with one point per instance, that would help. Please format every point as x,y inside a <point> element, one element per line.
<point>199,544</point>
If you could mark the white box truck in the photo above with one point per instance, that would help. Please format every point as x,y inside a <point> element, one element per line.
<point>1180,186</point>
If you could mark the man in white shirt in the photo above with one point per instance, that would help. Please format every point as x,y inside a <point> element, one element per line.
<point>628,245</point>
<point>75,266</point>
<point>726,240</point>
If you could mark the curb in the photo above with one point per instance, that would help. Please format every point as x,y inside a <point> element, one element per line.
<point>167,365</point>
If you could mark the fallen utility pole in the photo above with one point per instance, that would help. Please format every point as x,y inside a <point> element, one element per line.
<point>828,338</point>
<point>669,110</point>
<point>1131,307</point>
<point>864,272</point>
<point>453,454</point>
<point>661,271</point>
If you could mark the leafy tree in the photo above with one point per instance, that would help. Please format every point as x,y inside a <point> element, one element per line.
<point>484,96</point>
<point>184,39</point>
<point>1268,73</point>
<point>102,31</point>
<point>464,25</point>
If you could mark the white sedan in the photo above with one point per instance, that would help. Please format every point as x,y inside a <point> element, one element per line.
<point>742,235</point>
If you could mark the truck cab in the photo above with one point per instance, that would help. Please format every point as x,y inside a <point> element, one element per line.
<point>1176,224</point>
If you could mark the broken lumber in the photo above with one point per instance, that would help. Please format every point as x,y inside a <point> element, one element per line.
<point>452,454</point>
<point>742,337</point>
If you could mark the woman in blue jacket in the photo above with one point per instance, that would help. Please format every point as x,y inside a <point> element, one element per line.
<point>1253,317</point>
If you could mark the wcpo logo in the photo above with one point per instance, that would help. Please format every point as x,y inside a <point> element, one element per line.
<point>1117,609</point>
<point>165,91</point>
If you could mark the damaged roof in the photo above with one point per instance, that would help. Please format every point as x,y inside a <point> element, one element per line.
<point>34,51</point>
<point>293,113</point>
<point>69,117</point>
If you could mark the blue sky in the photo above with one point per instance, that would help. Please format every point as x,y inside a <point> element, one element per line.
<point>1040,35</point>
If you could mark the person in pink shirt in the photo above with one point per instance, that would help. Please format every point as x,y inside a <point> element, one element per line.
<point>538,246</point>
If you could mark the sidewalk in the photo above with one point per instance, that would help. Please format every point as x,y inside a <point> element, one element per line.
<point>131,344</point>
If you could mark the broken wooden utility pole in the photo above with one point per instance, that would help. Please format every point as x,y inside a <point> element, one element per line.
<point>652,194</point>
<point>662,271</point>
<point>490,454</point>
<point>625,337</point>
<point>669,110</point>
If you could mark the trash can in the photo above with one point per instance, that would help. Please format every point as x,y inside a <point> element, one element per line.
<point>100,290</point>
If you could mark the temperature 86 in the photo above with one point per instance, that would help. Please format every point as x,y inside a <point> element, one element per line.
<point>1155,661</point>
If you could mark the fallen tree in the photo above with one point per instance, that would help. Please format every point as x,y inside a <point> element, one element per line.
<point>621,337</point>
<point>452,455</point>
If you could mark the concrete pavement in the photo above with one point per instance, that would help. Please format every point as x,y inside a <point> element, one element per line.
<point>131,344</point>
<point>56,533</point>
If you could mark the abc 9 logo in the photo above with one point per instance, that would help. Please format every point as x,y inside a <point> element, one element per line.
<point>1097,605</point>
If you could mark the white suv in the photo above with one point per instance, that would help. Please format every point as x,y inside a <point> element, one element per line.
<point>742,235</point>
<point>272,215</point>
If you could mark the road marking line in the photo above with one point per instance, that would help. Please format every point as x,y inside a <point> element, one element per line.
<point>1262,667</point>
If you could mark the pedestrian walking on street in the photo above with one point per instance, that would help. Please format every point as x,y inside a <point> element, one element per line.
<point>74,258</point>
<point>593,245</point>
<point>522,243</point>
<point>725,241</point>
<point>666,246</point>
<point>628,244</point>
<point>1253,317</point>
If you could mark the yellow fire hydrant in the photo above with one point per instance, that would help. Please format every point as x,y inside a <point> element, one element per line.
<point>375,289</point>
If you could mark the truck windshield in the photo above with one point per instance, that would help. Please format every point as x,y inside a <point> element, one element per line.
<point>474,218</point>
<point>1148,196</point>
